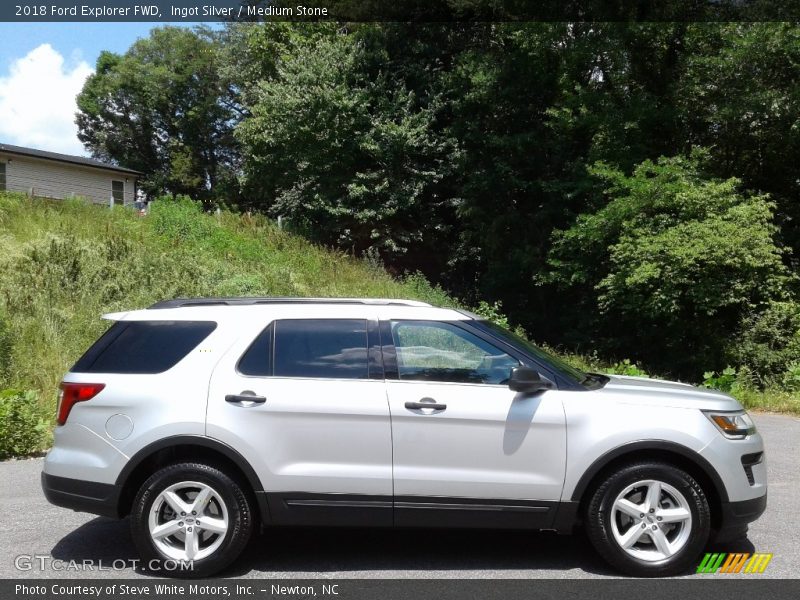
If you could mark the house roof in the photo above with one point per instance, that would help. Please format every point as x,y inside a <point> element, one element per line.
<point>67,158</point>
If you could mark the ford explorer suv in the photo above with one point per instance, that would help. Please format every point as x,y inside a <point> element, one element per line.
<point>206,420</point>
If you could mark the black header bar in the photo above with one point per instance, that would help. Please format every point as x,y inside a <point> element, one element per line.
<point>441,11</point>
<point>696,588</point>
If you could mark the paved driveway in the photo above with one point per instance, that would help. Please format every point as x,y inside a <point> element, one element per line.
<point>30,526</point>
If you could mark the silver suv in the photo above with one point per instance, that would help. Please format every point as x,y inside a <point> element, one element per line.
<point>207,419</point>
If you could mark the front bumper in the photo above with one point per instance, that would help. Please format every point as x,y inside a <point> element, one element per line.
<point>736,515</point>
<point>84,496</point>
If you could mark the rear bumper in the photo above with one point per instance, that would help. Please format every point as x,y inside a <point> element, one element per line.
<point>84,496</point>
<point>736,516</point>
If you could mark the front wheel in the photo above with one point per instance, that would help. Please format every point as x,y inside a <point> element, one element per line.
<point>649,519</point>
<point>190,520</point>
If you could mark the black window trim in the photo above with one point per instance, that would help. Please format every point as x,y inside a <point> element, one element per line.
<point>375,370</point>
<point>375,366</point>
<point>270,368</point>
<point>390,353</point>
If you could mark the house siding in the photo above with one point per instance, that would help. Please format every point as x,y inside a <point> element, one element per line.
<point>53,179</point>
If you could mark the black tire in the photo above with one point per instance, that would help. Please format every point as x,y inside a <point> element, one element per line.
<point>599,515</point>
<point>239,513</point>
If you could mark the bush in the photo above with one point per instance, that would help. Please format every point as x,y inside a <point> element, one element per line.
<point>791,378</point>
<point>493,313</point>
<point>769,342</point>
<point>726,380</point>
<point>676,259</point>
<point>5,349</point>
<point>23,427</point>
<point>180,219</point>
<point>626,367</point>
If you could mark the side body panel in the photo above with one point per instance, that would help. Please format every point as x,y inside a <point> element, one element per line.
<point>132,412</point>
<point>316,444</point>
<point>606,420</point>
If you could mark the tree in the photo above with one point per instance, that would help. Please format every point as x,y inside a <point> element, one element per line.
<point>159,109</point>
<point>740,96</point>
<point>350,157</point>
<point>675,262</point>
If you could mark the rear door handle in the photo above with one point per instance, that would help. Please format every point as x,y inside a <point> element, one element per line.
<point>429,404</point>
<point>245,399</point>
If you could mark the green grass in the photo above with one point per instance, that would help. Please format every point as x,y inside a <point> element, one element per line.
<point>65,263</point>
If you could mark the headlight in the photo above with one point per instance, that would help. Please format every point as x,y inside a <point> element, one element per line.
<point>733,425</point>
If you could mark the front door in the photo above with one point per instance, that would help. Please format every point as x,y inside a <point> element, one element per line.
<point>467,450</point>
<point>305,404</point>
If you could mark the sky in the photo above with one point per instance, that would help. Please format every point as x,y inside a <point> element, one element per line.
<point>42,68</point>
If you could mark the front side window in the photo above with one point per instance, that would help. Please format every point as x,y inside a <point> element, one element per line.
<point>325,348</point>
<point>118,191</point>
<point>2,176</point>
<point>436,351</point>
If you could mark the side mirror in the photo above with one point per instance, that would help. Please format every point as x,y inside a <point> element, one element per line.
<point>525,379</point>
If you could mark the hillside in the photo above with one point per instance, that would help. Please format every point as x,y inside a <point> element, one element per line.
<point>63,264</point>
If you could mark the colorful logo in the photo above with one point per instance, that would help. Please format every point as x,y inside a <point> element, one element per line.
<point>735,562</point>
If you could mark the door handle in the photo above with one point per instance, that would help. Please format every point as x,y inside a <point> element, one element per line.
<point>426,403</point>
<point>245,399</point>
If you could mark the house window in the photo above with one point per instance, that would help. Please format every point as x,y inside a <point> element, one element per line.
<point>2,176</point>
<point>118,191</point>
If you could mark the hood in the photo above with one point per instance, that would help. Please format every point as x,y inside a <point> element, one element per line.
<point>667,393</point>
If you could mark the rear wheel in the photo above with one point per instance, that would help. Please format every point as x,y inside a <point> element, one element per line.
<point>190,520</point>
<point>649,519</point>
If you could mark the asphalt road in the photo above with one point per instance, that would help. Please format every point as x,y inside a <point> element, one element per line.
<point>30,526</point>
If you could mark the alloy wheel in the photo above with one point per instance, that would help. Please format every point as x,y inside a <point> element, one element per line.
<point>188,521</point>
<point>651,520</point>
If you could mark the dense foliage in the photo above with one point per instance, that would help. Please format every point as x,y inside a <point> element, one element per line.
<point>673,258</point>
<point>625,187</point>
<point>160,108</point>
<point>24,425</point>
<point>65,263</point>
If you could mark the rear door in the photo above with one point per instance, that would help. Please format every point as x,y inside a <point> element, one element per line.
<point>305,402</point>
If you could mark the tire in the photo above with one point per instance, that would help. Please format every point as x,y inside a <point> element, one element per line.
<point>224,514</point>
<point>619,514</point>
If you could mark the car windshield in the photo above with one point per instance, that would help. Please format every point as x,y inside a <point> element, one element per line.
<point>559,363</point>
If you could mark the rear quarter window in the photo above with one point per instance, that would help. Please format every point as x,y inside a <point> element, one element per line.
<point>143,347</point>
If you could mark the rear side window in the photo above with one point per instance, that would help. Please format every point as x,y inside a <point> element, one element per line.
<point>143,347</point>
<point>328,348</point>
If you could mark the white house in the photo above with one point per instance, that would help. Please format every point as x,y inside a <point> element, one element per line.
<point>59,176</point>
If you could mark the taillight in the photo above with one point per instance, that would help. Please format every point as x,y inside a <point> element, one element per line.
<point>72,393</point>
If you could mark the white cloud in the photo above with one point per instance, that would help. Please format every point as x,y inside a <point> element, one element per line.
<point>37,101</point>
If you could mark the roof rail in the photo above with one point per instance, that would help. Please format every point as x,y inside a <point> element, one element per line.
<point>249,301</point>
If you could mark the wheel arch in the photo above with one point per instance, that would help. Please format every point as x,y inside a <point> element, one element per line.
<point>662,450</point>
<point>186,447</point>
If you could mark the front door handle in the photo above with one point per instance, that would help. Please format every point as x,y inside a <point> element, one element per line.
<point>245,399</point>
<point>426,403</point>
